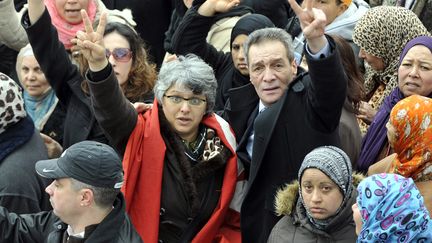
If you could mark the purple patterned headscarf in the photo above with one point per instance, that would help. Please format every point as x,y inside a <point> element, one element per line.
<point>376,136</point>
<point>392,210</point>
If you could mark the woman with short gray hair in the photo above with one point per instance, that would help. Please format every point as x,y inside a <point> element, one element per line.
<point>191,72</point>
<point>179,161</point>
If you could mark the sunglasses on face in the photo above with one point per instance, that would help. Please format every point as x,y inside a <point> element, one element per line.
<point>119,54</point>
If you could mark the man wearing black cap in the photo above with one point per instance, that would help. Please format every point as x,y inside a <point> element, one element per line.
<point>86,200</point>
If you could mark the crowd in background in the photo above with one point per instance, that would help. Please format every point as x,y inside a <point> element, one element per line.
<point>218,121</point>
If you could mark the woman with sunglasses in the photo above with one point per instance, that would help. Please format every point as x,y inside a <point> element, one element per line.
<point>132,69</point>
<point>180,163</point>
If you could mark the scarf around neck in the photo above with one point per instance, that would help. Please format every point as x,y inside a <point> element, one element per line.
<point>15,136</point>
<point>376,135</point>
<point>40,109</point>
<point>67,31</point>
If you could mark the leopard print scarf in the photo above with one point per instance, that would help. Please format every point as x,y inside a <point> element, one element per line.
<point>383,32</point>
<point>11,103</point>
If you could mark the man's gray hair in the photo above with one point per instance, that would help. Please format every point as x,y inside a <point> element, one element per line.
<point>190,72</point>
<point>103,197</point>
<point>269,34</point>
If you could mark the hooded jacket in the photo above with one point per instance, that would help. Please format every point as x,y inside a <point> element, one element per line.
<point>343,25</point>
<point>47,227</point>
<point>296,227</point>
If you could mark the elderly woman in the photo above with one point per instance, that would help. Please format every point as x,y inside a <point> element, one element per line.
<point>381,35</point>
<point>389,208</point>
<point>318,208</point>
<point>415,77</point>
<point>41,103</point>
<point>179,161</point>
<point>21,190</point>
<point>125,53</point>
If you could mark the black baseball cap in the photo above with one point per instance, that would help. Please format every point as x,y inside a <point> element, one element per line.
<point>90,162</point>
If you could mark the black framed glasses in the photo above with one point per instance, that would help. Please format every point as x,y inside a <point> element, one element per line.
<point>194,101</point>
<point>119,54</point>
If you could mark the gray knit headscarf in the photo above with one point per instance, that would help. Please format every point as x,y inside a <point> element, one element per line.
<point>335,163</point>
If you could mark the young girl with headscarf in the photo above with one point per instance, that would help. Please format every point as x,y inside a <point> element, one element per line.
<point>318,207</point>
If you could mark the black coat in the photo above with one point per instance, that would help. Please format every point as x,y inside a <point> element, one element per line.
<point>47,227</point>
<point>307,116</point>
<point>64,77</point>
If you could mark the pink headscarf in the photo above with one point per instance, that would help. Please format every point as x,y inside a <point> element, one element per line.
<point>67,31</point>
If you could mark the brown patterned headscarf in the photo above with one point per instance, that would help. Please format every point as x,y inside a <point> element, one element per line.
<point>383,32</point>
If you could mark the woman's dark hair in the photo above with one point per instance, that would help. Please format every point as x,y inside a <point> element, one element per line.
<point>142,75</point>
<point>355,89</point>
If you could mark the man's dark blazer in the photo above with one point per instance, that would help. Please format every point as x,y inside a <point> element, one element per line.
<point>306,117</point>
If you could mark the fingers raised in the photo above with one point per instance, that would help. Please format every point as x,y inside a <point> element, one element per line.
<point>102,24</point>
<point>87,23</point>
<point>295,7</point>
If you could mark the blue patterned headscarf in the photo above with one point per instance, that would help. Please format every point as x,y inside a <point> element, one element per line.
<point>392,210</point>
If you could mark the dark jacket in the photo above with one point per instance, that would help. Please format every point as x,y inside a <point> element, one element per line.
<point>350,134</point>
<point>278,11</point>
<point>47,227</point>
<point>190,37</point>
<point>152,18</point>
<point>21,189</point>
<point>305,117</point>
<point>54,127</point>
<point>64,77</point>
<point>296,227</point>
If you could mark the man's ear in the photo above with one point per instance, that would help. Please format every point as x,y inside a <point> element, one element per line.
<point>294,68</point>
<point>87,197</point>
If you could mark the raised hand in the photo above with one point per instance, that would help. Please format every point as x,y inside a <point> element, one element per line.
<point>91,44</point>
<point>142,107</point>
<point>211,7</point>
<point>366,112</point>
<point>313,23</point>
<point>54,149</point>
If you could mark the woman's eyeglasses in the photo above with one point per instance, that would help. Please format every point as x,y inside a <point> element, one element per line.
<point>194,101</point>
<point>119,54</point>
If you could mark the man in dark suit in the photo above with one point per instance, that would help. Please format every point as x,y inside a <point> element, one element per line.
<point>297,113</point>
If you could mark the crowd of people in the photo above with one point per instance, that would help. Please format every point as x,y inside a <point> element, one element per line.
<point>311,123</point>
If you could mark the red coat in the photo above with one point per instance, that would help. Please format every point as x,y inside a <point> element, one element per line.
<point>143,166</point>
